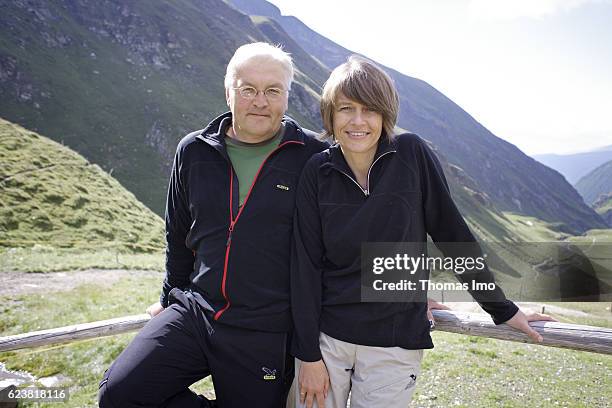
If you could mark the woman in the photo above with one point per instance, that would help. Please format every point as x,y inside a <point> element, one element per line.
<point>370,186</point>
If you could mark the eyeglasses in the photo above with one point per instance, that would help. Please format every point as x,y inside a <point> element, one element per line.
<point>271,94</point>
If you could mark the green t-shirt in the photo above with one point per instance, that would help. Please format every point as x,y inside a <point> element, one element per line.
<point>246,159</point>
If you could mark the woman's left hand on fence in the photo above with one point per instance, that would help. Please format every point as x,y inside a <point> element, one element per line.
<point>520,321</point>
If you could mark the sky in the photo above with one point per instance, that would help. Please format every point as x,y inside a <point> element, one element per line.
<point>537,73</point>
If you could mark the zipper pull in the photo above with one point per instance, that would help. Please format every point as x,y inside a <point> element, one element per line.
<point>229,235</point>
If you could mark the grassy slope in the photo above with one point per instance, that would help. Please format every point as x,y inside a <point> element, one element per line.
<point>52,196</point>
<point>596,244</point>
<point>468,371</point>
<point>45,258</point>
<point>596,183</point>
<point>603,207</point>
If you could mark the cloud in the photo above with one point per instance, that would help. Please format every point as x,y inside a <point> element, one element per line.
<point>514,9</point>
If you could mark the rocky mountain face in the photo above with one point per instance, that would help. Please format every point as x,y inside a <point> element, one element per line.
<point>512,180</point>
<point>597,183</point>
<point>121,82</point>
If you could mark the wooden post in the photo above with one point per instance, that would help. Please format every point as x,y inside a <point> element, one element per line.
<point>554,334</point>
<point>75,332</point>
<point>571,336</point>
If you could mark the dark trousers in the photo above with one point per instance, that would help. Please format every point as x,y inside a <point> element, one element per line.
<point>182,345</point>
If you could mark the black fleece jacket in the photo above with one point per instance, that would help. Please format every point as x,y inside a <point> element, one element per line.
<point>408,198</point>
<point>235,259</point>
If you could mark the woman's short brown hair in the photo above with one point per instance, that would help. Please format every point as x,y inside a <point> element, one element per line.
<point>365,82</point>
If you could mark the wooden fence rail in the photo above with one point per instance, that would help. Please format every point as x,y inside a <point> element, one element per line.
<point>572,336</point>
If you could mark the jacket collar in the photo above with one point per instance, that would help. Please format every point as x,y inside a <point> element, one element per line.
<point>338,162</point>
<point>214,133</point>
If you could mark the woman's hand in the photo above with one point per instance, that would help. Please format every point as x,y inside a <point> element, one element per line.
<point>520,321</point>
<point>431,305</point>
<point>313,383</point>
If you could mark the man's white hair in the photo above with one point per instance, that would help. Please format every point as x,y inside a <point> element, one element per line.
<point>260,51</point>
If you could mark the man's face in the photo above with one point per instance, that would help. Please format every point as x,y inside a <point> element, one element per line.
<point>257,119</point>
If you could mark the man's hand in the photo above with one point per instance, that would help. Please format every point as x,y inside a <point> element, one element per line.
<point>431,305</point>
<point>520,321</point>
<point>155,309</point>
<point>313,383</point>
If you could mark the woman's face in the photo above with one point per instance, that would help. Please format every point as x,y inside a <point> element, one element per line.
<point>356,127</point>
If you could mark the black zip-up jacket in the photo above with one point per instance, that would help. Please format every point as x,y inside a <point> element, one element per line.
<point>408,198</point>
<point>236,259</point>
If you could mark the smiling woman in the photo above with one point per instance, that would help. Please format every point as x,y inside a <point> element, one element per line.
<point>343,344</point>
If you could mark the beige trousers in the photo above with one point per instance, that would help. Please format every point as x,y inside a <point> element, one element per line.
<point>375,377</point>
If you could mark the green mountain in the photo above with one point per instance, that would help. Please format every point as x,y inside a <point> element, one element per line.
<point>121,82</point>
<point>577,165</point>
<point>596,183</point>
<point>51,195</point>
<point>603,206</point>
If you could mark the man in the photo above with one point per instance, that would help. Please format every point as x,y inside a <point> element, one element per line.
<point>224,309</point>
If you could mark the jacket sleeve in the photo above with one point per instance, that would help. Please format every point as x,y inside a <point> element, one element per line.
<point>179,258</point>
<point>306,268</point>
<point>446,226</point>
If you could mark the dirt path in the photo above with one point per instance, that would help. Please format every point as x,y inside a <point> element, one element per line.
<point>20,283</point>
